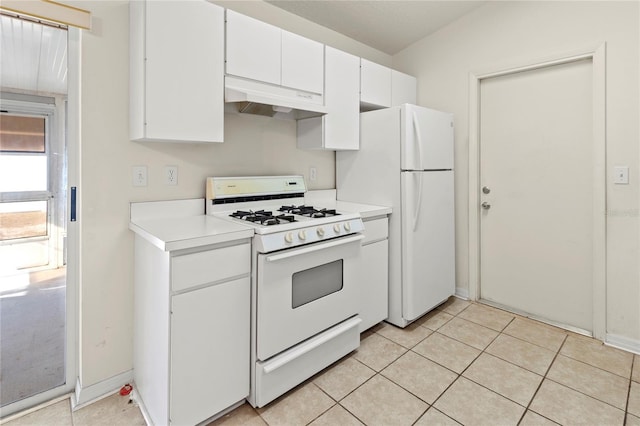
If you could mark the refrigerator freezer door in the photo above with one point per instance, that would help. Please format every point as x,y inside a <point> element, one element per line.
<point>428,256</point>
<point>427,139</point>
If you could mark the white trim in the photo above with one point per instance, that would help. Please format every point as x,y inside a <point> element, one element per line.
<point>598,57</point>
<point>462,293</point>
<point>51,11</point>
<point>135,396</point>
<point>72,282</point>
<point>84,396</point>
<point>45,404</point>
<point>622,342</point>
<point>74,62</point>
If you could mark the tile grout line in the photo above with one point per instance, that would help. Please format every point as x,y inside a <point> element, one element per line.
<point>544,377</point>
<point>459,374</point>
<point>429,406</point>
<point>597,368</point>
<point>626,406</point>
<point>465,369</point>
<point>335,402</point>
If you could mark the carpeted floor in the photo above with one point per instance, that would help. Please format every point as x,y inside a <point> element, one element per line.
<point>32,333</point>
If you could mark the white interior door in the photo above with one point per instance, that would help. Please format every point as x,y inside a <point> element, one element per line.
<point>537,180</point>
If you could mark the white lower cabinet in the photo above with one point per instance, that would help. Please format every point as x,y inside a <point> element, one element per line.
<point>191,347</point>
<point>374,273</point>
<point>209,351</point>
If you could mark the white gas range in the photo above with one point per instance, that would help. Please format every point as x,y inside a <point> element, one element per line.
<point>305,292</point>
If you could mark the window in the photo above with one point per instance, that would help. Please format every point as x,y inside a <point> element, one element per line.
<point>23,176</point>
<point>22,134</point>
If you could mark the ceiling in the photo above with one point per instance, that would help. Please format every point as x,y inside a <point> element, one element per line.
<point>386,25</point>
<point>34,56</point>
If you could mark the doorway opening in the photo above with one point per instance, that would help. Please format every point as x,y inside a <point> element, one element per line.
<point>34,329</point>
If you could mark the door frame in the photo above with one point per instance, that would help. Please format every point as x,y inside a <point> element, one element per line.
<point>72,356</point>
<point>597,54</point>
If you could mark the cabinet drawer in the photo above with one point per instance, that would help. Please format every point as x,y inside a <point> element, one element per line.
<point>375,230</point>
<point>194,269</point>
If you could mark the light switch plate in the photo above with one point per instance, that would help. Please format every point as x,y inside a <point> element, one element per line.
<point>139,175</point>
<point>621,175</point>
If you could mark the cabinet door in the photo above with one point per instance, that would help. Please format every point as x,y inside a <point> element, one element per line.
<point>339,129</point>
<point>302,63</point>
<point>374,276</point>
<point>253,48</point>
<point>342,99</point>
<point>209,350</point>
<point>403,88</point>
<point>184,71</point>
<point>375,84</point>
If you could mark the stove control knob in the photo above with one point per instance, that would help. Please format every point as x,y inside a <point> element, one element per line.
<point>320,232</point>
<point>288,237</point>
<point>347,226</point>
<point>336,228</point>
<point>302,235</point>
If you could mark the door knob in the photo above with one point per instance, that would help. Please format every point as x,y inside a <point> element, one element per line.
<point>486,205</point>
<point>485,190</point>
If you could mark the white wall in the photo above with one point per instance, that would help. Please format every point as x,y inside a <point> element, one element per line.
<point>506,32</point>
<point>253,145</point>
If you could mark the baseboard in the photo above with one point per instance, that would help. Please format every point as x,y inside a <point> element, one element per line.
<point>89,394</point>
<point>621,342</point>
<point>143,408</point>
<point>462,293</point>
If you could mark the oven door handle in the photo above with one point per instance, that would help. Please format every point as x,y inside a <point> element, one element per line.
<point>315,247</point>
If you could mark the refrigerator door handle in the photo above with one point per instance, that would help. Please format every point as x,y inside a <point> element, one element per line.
<point>416,212</point>
<point>416,128</point>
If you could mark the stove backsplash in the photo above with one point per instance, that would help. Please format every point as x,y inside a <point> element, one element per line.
<point>253,146</point>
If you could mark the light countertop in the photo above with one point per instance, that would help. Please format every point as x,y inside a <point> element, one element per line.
<point>170,234</point>
<point>327,199</point>
<point>182,224</point>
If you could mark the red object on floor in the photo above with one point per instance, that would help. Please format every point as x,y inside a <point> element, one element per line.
<point>126,389</point>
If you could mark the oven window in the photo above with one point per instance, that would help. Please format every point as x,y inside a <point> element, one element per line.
<point>315,283</point>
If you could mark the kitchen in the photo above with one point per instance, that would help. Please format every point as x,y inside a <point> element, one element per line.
<point>257,145</point>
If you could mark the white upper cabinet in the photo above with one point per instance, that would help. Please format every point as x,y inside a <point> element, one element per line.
<point>253,48</point>
<point>302,63</point>
<point>339,129</point>
<point>263,52</point>
<point>176,71</point>
<point>375,85</point>
<point>382,87</point>
<point>403,88</point>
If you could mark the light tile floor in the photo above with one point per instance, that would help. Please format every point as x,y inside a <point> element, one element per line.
<point>464,363</point>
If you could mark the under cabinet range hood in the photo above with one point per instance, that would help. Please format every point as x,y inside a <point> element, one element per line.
<point>254,97</point>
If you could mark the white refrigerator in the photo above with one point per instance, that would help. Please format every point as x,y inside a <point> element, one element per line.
<point>405,161</point>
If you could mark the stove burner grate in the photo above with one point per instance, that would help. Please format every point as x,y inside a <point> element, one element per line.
<point>262,217</point>
<point>308,211</point>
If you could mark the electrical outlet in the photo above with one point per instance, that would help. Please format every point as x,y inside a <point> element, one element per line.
<point>171,175</point>
<point>621,175</point>
<point>313,174</point>
<point>139,175</point>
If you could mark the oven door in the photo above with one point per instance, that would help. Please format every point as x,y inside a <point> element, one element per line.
<point>303,291</point>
